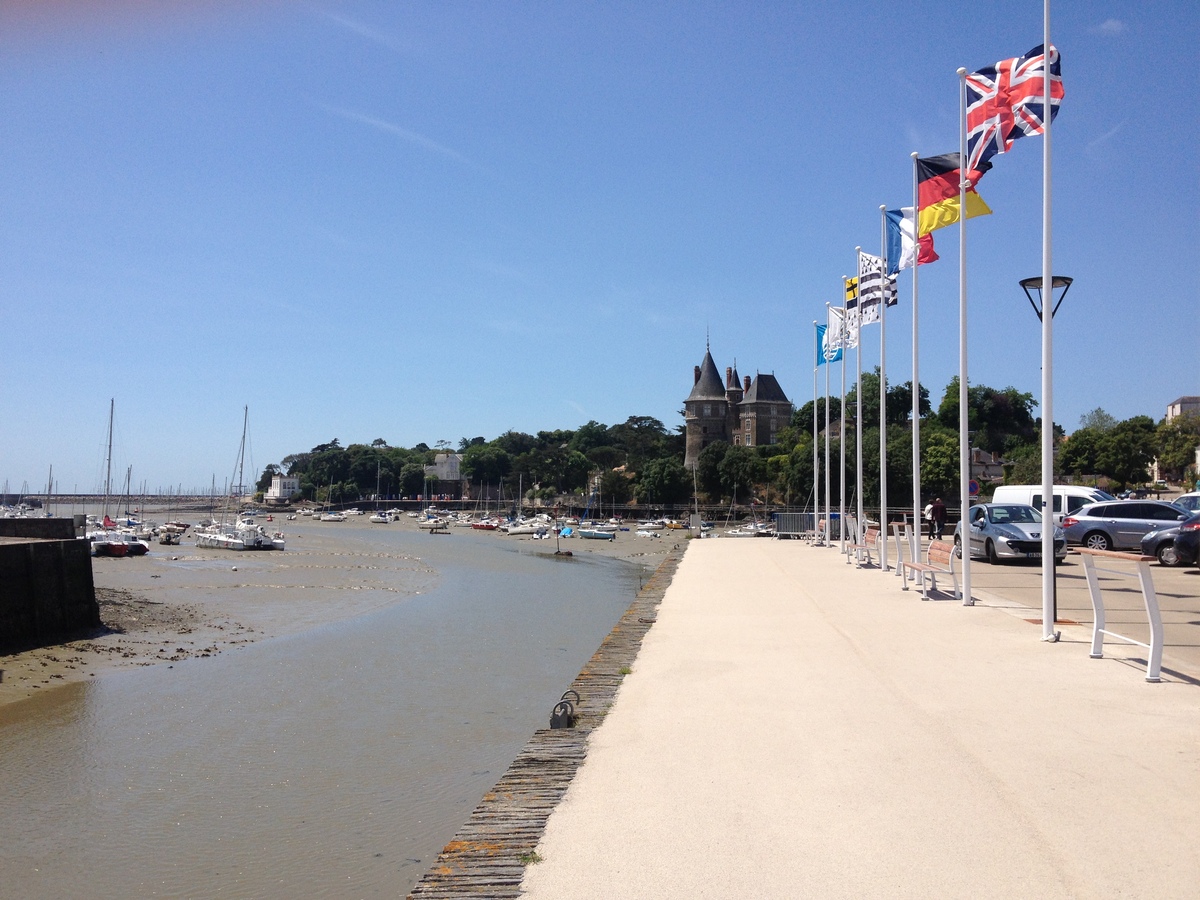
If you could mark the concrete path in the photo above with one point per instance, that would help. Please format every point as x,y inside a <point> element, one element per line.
<point>795,727</point>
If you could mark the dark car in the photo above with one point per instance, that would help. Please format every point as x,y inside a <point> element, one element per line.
<point>1120,524</point>
<point>1184,546</point>
<point>1161,545</point>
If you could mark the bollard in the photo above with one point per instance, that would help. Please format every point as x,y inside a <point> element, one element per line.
<point>563,715</point>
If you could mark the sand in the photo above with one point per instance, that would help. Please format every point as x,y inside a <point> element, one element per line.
<point>181,603</point>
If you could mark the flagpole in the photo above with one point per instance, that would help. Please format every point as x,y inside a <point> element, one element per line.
<point>964,438</point>
<point>1048,604</point>
<point>858,538</point>
<point>820,352</point>
<point>828,496</point>
<point>916,381</point>
<point>842,431</point>
<point>883,297</point>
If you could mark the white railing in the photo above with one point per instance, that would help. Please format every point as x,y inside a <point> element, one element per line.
<point>1090,569</point>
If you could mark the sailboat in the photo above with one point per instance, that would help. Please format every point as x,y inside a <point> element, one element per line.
<point>243,533</point>
<point>106,540</point>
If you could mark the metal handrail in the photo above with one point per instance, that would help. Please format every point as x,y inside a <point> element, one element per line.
<point>1149,597</point>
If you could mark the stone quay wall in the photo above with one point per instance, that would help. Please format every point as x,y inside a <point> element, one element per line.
<point>46,587</point>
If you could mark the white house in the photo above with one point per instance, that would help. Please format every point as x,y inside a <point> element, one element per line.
<point>283,489</point>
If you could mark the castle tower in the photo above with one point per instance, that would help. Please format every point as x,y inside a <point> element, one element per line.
<point>706,410</point>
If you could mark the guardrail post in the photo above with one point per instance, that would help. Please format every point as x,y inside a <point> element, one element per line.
<point>1154,666</point>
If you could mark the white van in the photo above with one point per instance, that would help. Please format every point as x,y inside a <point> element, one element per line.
<point>1070,496</point>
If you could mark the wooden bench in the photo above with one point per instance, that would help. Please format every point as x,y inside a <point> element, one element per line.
<point>870,542</point>
<point>1149,597</point>
<point>939,560</point>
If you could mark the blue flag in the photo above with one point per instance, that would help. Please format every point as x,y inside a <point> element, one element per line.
<point>826,354</point>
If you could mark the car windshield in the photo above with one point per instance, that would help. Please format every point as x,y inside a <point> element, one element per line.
<point>1014,515</point>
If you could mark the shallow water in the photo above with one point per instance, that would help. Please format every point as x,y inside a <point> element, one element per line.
<point>333,763</point>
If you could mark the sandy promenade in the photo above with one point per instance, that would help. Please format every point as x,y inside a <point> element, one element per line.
<point>180,602</point>
<point>794,727</point>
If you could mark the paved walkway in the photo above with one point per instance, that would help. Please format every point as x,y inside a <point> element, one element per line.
<point>794,727</point>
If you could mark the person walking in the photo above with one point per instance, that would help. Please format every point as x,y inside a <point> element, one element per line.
<point>927,515</point>
<point>938,513</point>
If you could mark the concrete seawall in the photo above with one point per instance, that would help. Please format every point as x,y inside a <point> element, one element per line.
<point>46,587</point>
<point>488,855</point>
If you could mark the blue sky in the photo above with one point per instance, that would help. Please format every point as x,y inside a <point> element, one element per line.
<point>425,221</point>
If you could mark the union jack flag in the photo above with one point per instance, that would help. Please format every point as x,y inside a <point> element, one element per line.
<point>1006,101</point>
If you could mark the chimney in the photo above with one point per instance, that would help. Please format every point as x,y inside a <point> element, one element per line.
<point>746,378</point>
<point>696,376</point>
<point>728,376</point>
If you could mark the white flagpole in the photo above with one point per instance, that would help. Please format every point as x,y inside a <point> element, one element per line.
<point>964,439</point>
<point>858,409</point>
<point>842,429</point>
<point>916,381</point>
<point>828,495</point>
<point>883,497</point>
<point>820,352</point>
<point>1048,605</point>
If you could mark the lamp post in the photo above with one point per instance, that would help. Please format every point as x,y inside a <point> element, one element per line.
<point>1056,286</point>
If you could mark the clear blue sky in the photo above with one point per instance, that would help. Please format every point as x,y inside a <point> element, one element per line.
<point>425,221</point>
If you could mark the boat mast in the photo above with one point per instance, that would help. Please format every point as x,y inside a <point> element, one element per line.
<point>108,463</point>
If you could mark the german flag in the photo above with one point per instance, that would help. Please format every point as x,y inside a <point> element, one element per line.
<point>938,192</point>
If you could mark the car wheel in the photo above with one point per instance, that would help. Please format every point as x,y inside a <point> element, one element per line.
<point>991,553</point>
<point>1167,554</point>
<point>1097,540</point>
<point>958,546</point>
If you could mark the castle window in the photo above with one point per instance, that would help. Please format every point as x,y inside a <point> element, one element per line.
<point>708,409</point>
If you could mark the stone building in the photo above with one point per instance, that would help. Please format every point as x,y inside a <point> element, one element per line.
<point>738,410</point>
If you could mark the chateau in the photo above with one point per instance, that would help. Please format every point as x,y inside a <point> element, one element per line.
<point>740,411</point>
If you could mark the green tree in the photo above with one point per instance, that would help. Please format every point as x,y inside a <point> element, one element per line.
<point>663,480</point>
<point>740,470</point>
<point>411,479</point>
<point>486,463</point>
<point>1127,450</point>
<point>939,463</point>
<point>1079,452</point>
<point>1000,420</point>
<point>707,468</point>
<point>1177,441</point>
<point>1097,420</point>
<point>615,487</point>
<point>269,473</point>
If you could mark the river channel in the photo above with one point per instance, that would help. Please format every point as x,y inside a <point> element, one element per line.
<point>331,763</point>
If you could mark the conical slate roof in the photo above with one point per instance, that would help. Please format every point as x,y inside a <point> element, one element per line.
<point>765,389</point>
<point>709,386</point>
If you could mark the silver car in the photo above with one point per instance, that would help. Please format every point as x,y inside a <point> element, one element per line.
<point>1007,531</point>
<point>1120,524</point>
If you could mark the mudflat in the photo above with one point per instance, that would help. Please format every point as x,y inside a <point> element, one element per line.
<point>182,602</point>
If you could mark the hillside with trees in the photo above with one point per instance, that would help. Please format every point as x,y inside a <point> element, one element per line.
<point>641,459</point>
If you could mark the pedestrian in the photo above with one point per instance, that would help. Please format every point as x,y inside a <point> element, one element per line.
<point>937,512</point>
<point>928,516</point>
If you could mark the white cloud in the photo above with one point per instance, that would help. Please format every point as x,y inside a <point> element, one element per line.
<point>411,136</point>
<point>1111,26</point>
<point>365,31</point>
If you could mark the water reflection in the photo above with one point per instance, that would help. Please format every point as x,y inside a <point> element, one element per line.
<point>332,763</point>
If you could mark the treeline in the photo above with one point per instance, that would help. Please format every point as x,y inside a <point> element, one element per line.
<point>641,459</point>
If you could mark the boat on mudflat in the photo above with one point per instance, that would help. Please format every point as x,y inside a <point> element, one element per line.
<point>596,534</point>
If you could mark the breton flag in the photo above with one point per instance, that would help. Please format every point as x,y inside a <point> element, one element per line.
<point>851,324</point>
<point>901,228</point>
<point>826,353</point>
<point>873,286</point>
<point>937,192</point>
<point>1007,101</point>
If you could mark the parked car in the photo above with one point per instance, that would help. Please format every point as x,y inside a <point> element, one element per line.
<point>1007,531</point>
<point>1120,524</point>
<point>1067,497</point>
<point>1161,545</point>
<point>1187,542</point>
<point>1190,502</point>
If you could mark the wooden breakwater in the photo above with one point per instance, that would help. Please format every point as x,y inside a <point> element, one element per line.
<point>488,855</point>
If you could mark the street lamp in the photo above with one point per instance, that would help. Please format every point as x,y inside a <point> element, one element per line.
<point>1060,283</point>
<point>1058,286</point>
